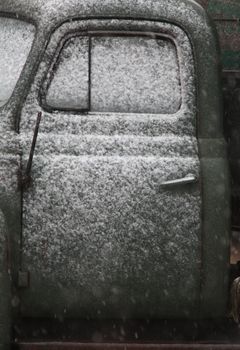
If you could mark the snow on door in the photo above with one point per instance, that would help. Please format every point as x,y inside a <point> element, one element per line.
<point>102,235</point>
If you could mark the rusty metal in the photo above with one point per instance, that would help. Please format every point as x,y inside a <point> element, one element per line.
<point>118,346</point>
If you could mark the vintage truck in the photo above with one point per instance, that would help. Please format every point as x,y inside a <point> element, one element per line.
<point>115,186</point>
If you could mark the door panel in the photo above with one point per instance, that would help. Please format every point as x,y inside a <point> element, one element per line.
<point>101,236</point>
<point>103,225</point>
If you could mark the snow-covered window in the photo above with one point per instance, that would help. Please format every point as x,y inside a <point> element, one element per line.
<point>127,74</point>
<point>70,76</point>
<point>16,38</point>
<point>134,74</point>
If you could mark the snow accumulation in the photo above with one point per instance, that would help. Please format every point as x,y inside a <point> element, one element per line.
<point>118,145</point>
<point>134,74</point>
<point>164,80</point>
<point>16,38</point>
<point>46,10</point>
<point>8,174</point>
<point>69,88</point>
<point>127,74</point>
<point>96,215</point>
<point>98,220</point>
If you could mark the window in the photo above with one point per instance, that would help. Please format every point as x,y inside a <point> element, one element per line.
<point>113,73</point>
<point>69,87</point>
<point>16,38</point>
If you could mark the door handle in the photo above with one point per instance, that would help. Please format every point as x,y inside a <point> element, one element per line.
<point>188,179</point>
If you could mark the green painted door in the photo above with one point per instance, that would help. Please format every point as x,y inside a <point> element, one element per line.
<point>112,220</point>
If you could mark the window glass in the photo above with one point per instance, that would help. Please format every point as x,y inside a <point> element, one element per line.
<point>16,38</point>
<point>134,74</point>
<point>69,86</point>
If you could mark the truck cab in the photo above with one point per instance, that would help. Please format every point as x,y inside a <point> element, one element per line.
<point>126,211</point>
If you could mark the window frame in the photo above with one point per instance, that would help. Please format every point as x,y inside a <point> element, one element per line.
<point>101,33</point>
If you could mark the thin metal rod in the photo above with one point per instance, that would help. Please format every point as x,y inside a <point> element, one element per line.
<point>34,140</point>
<point>185,180</point>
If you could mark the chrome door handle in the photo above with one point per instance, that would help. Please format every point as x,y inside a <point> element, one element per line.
<point>188,179</point>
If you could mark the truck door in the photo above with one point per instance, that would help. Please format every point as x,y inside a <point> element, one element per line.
<point>111,222</point>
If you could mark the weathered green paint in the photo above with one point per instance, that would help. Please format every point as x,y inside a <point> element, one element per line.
<point>226,14</point>
<point>226,8</point>
<point>231,60</point>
